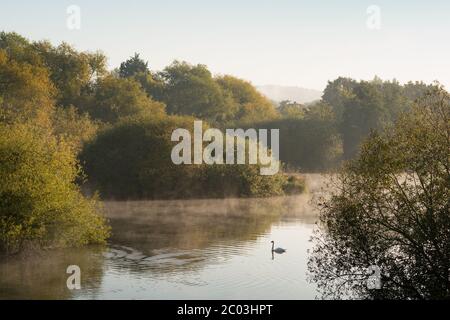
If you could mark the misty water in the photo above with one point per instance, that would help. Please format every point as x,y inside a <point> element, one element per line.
<point>184,249</point>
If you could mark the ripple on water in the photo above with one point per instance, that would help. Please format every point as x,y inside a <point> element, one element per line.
<point>226,269</point>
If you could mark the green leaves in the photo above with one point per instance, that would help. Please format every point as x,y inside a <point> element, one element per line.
<point>114,98</point>
<point>40,203</point>
<point>131,160</point>
<point>390,208</point>
<point>133,66</point>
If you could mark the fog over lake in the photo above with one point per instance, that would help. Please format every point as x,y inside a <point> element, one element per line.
<point>182,249</point>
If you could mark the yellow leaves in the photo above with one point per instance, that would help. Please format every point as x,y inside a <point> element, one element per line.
<point>39,194</point>
<point>27,92</point>
<point>3,57</point>
<point>252,106</point>
<point>73,128</point>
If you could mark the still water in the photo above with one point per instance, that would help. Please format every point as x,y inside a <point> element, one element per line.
<point>195,249</point>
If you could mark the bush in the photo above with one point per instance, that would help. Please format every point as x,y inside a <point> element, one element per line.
<point>295,184</point>
<point>220,181</point>
<point>74,128</point>
<point>132,160</point>
<point>39,202</point>
<point>390,209</point>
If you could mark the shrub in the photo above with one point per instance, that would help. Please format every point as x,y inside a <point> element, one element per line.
<point>390,209</point>
<point>39,201</point>
<point>132,160</point>
<point>73,127</point>
<point>220,181</point>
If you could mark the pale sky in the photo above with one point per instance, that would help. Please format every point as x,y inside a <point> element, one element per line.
<point>283,42</point>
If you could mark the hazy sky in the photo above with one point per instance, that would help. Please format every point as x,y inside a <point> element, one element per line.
<point>285,42</point>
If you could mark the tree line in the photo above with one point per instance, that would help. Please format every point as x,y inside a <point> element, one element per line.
<point>69,128</point>
<point>109,131</point>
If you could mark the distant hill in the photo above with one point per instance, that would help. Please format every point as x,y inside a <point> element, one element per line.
<point>298,94</point>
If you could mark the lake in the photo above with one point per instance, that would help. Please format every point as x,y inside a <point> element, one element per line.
<point>183,249</point>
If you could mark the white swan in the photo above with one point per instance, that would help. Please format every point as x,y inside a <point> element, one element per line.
<point>277,250</point>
